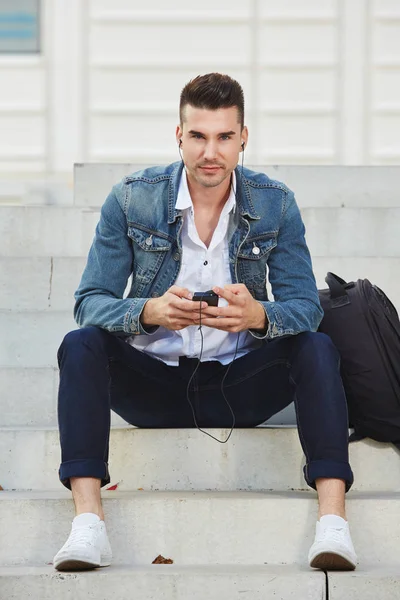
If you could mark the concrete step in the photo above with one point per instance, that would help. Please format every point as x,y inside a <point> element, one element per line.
<point>43,284</point>
<point>43,189</point>
<point>185,459</point>
<point>322,186</point>
<point>193,528</point>
<point>361,232</point>
<point>327,186</point>
<point>31,339</point>
<point>40,304</point>
<point>46,283</point>
<point>46,230</point>
<point>365,584</point>
<point>61,232</point>
<point>28,397</point>
<point>162,582</point>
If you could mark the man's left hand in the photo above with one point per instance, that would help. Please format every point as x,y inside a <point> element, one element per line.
<point>243,311</point>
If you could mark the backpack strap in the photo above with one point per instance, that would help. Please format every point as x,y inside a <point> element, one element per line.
<point>338,292</point>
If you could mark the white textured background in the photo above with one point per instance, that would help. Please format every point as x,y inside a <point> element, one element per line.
<point>321,79</point>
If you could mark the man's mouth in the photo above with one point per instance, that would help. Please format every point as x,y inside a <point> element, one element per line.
<point>210,168</point>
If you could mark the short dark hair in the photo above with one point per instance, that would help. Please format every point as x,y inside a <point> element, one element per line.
<point>213,91</point>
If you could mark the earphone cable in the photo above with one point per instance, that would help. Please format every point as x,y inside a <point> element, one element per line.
<point>226,372</point>
<point>222,387</point>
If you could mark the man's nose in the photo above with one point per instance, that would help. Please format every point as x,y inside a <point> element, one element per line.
<point>210,150</point>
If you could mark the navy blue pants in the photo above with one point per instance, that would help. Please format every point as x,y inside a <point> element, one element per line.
<point>99,372</point>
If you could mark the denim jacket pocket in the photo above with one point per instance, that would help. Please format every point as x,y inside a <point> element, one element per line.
<point>252,263</point>
<point>256,248</point>
<point>149,252</point>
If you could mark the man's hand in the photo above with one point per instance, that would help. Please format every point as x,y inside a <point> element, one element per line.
<point>243,311</point>
<point>174,310</point>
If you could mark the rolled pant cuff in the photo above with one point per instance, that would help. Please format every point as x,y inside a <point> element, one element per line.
<point>328,468</point>
<point>86,467</point>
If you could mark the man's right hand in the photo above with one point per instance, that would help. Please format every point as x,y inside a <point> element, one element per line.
<point>174,310</point>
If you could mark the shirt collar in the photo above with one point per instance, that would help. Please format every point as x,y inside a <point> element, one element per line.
<point>184,199</point>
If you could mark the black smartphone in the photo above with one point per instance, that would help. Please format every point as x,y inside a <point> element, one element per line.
<point>209,296</point>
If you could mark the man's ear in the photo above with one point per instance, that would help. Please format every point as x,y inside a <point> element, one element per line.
<point>178,134</point>
<point>244,136</point>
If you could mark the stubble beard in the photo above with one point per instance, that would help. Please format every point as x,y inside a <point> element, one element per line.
<point>210,181</point>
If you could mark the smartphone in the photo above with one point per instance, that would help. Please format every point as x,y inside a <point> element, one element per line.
<point>209,296</point>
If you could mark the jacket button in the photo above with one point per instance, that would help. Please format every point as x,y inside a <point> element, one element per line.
<point>176,256</point>
<point>154,295</point>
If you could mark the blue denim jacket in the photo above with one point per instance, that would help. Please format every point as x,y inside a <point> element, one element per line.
<point>139,233</point>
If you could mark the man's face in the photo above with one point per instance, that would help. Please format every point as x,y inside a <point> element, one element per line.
<point>211,142</point>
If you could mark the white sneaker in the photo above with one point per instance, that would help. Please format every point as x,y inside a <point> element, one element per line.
<point>87,546</point>
<point>332,548</point>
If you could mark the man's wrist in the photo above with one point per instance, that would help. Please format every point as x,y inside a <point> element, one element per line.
<point>261,323</point>
<point>147,318</point>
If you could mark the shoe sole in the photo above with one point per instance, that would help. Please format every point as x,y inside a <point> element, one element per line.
<point>329,561</point>
<point>79,565</point>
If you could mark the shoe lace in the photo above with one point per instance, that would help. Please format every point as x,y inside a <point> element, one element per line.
<point>83,536</point>
<point>336,534</point>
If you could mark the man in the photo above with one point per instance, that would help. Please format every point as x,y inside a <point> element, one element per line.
<point>196,225</point>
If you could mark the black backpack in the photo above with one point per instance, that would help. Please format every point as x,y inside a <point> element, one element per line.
<point>364,326</point>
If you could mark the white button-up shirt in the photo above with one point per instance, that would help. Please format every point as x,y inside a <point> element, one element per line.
<point>202,268</point>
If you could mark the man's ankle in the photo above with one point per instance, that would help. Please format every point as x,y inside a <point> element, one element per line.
<point>86,495</point>
<point>337,513</point>
<point>92,510</point>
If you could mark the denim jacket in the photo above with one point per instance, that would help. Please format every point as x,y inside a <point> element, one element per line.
<point>139,234</point>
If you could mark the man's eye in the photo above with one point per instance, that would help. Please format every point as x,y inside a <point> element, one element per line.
<point>225,137</point>
<point>197,136</point>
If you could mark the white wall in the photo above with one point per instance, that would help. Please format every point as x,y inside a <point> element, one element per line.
<point>321,79</point>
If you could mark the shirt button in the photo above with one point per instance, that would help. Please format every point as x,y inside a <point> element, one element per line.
<point>205,263</point>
